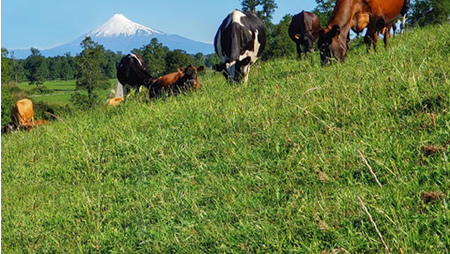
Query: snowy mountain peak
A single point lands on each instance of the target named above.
(119, 25)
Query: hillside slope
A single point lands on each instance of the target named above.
(275, 165)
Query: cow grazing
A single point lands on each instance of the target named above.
(132, 72)
(182, 79)
(22, 113)
(115, 101)
(356, 15)
(304, 30)
(239, 41)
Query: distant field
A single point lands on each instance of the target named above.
(56, 85)
(60, 91)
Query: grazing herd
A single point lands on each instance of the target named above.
(240, 41)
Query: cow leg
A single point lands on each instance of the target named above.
(402, 25)
(246, 72)
(375, 41)
(125, 92)
(394, 28)
(299, 51)
(370, 38)
(387, 34)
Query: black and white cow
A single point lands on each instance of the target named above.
(132, 72)
(239, 42)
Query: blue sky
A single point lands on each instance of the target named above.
(49, 23)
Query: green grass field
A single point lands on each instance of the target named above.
(279, 164)
(60, 91)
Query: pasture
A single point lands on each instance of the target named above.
(57, 92)
(284, 163)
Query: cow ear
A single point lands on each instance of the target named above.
(180, 70)
(335, 31)
(219, 67)
(201, 68)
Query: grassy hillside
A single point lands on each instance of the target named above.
(276, 165)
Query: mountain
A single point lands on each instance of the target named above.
(121, 34)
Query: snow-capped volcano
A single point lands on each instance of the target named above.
(119, 25)
(121, 34)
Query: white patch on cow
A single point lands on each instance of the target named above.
(237, 16)
(231, 68)
(252, 54)
(246, 72)
(133, 55)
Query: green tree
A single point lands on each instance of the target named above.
(212, 59)
(264, 9)
(177, 58)
(277, 44)
(109, 67)
(430, 12)
(36, 68)
(54, 67)
(154, 55)
(199, 59)
(323, 10)
(7, 69)
(68, 67)
(91, 76)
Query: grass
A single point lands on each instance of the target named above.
(268, 166)
(59, 92)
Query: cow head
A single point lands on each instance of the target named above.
(9, 127)
(332, 44)
(234, 71)
(306, 39)
(189, 76)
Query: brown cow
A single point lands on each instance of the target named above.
(177, 81)
(22, 112)
(304, 29)
(356, 15)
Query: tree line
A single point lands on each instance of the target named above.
(36, 68)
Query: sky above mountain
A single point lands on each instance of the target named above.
(48, 23)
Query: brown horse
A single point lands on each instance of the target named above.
(356, 15)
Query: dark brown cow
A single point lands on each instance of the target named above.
(132, 72)
(304, 30)
(177, 81)
(356, 15)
